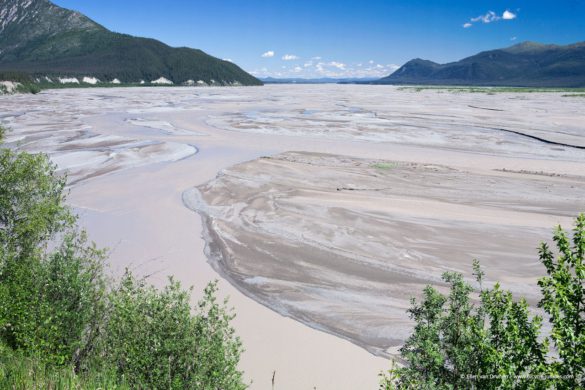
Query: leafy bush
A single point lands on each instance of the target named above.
(563, 300)
(47, 300)
(154, 340)
(32, 207)
(63, 326)
(497, 343)
(50, 305)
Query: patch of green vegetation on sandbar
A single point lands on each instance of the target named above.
(384, 165)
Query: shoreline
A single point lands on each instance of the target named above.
(215, 254)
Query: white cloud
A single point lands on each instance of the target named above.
(338, 65)
(370, 61)
(513, 38)
(328, 68)
(336, 69)
(490, 17)
(316, 58)
(228, 59)
(289, 57)
(268, 54)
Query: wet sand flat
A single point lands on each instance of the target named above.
(342, 244)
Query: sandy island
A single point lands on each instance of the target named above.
(385, 190)
(342, 244)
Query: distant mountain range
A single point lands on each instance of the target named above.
(322, 80)
(528, 64)
(42, 39)
(51, 43)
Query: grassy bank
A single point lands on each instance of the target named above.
(21, 372)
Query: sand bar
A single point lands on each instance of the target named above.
(342, 244)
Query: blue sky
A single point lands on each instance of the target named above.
(371, 38)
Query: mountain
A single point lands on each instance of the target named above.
(322, 80)
(528, 64)
(43, 39)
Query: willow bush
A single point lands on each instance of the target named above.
(65, 325)
(498, 343)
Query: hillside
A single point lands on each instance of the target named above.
(42, 39)
(527, 64)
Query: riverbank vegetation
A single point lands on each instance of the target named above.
(492, 340)
(65, 324)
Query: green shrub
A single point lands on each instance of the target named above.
(563, 291)
(49, 306)
(155, 341)
(68, 305)
(497, 343)
(47, 299)
(63, 327)
(32, 206)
